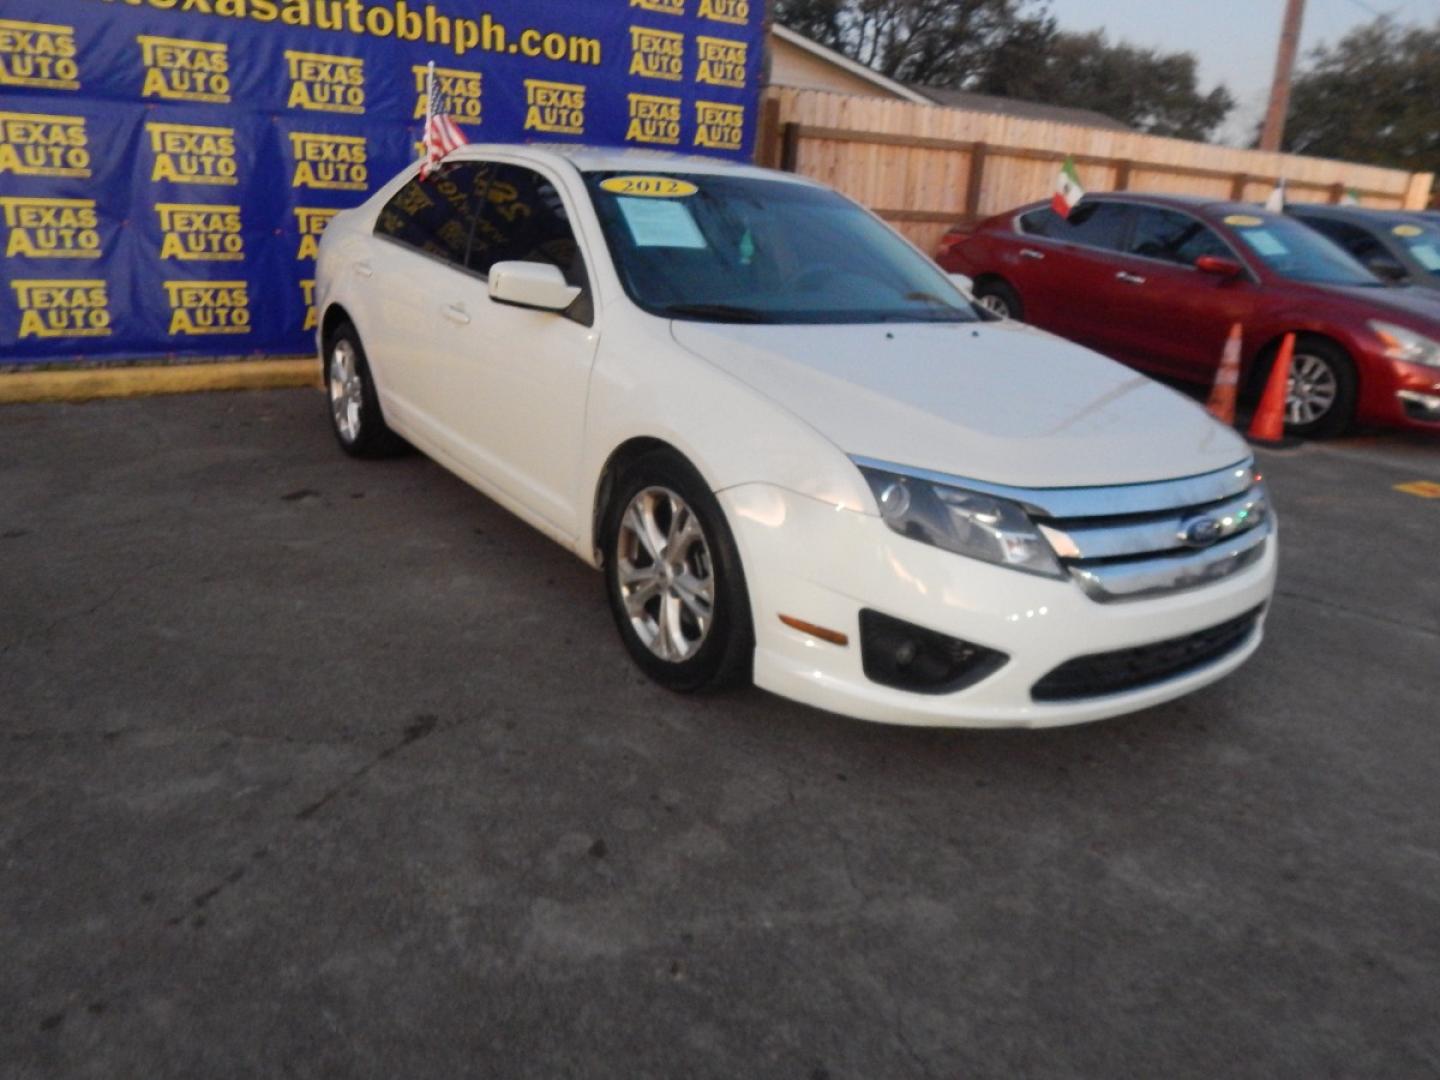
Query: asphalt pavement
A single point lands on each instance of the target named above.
(318, 768)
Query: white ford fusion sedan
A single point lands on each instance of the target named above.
(796, 450)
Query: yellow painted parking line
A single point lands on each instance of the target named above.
(31, 386)
(1425, 489)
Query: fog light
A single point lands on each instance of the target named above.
(901, 655)
(1420, 406)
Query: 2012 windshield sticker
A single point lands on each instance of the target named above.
(649, 187)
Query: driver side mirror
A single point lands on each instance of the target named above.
(1215, 264)
(532, 285)
(1385, 266)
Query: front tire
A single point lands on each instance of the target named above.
(1323, 387)
(355, 414)
(673, 578)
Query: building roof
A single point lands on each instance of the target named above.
(883, 84)
(1029, 110)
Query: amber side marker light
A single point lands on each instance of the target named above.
(834, 637)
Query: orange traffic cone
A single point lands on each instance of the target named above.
(1227, 380)
(1269, 423)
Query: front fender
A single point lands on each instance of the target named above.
(646, 386)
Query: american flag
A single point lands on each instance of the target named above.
(442, 135)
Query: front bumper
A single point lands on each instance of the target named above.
(1405, 396)
(824, 565)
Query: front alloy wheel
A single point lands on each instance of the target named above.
(673, 576)
(1321, 395)
(1312, 392)
(666, 578)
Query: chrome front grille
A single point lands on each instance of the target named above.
(1128, 541)
(1147, 540)
(1133, 541)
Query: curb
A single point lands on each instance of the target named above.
(120, 382)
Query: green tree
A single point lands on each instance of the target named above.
(1013, 48)
(933, 42)
(1154, 92)
(1372, 97)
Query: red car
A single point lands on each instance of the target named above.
(1157, 281)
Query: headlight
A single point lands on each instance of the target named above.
(966, 522)
(1402, 344)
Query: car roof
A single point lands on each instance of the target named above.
(624, 159)
(1193, 203)
(1181, 202)
(1356, 215)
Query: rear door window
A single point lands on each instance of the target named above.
(1098, 225)
(1042, 222)
(434, 215)
(1174, 237)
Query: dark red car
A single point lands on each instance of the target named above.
(1157, 281)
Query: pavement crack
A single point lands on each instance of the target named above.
(141, 574)
(67, 736)
(905, 1044)
(421, 726)
(416, 730)
(1331, 605)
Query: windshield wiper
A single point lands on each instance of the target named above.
(952, 315)
(731, 313)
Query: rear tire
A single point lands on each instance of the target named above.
(1000, 299)
(673, 578)
(354, 408)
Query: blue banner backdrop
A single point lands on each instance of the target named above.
(167, 166)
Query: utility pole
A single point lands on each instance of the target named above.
(1274, 131)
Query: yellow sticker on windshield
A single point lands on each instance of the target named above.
(1408, 230)
(1244, 221)
(649, 187)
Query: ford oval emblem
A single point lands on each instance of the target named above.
(1202, 532)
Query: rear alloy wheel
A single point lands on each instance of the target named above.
(355, 415)
(673, 577)
(1000, 299)
(1321, 396)
(347, 391)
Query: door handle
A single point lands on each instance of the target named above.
(1031, 253)
(456, 314)
(363, 269)
(1130, 279)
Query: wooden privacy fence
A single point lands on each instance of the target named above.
(925, 168)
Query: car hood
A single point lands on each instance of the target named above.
(999, 402)
(1417, 304)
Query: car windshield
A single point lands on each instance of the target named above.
(717, 248)
(1422, 239)
(1297, 252)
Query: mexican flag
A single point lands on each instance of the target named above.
(1276, 202)
(1068, 191)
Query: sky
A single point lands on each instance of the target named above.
(1235, 40)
